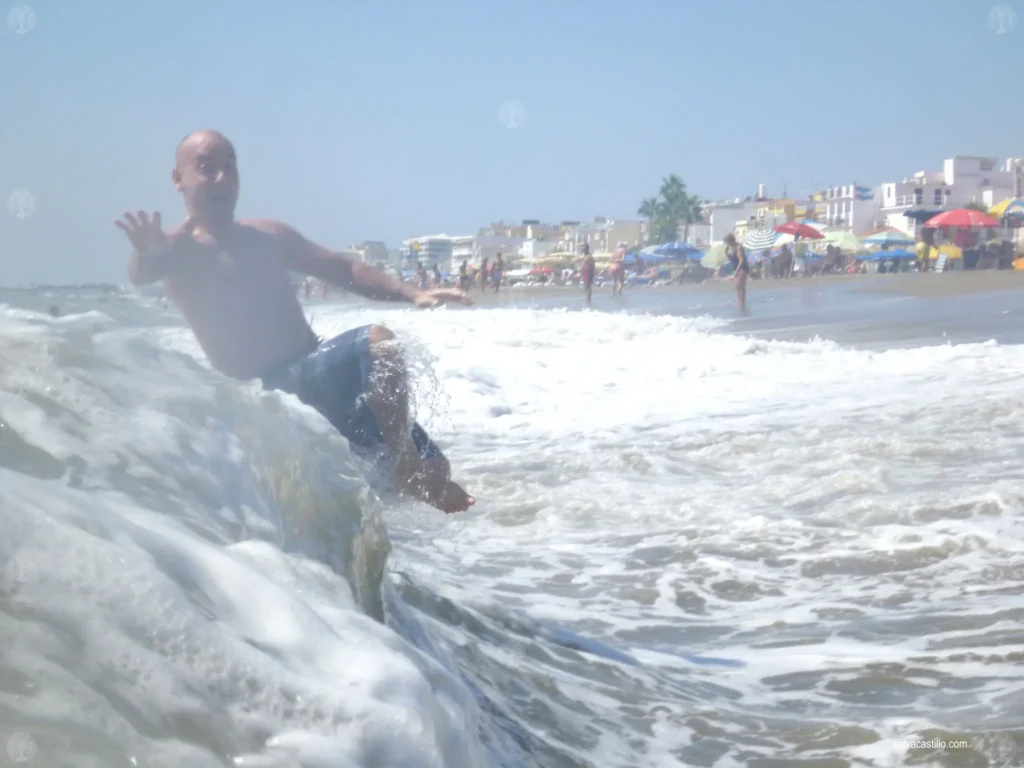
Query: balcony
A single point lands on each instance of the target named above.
(905, 201)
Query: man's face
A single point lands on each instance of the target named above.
(207, 176)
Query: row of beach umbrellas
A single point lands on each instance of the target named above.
(809, 230)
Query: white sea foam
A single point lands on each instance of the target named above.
(689, 548)
(189, 570)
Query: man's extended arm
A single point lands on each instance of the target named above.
(342, 269)
(146, 269)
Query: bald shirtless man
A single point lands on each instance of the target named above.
(231, 280)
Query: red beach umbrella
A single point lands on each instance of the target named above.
(961, 217)
(797, 229)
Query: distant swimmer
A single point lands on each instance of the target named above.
(587, 273)
(619, 268)
(231, 280)
(737, 256)
(54, 310)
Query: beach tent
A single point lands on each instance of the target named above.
(899, 253)
(887, 238)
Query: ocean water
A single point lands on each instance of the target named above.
(693, 545)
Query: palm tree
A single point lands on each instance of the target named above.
(672, 206)
(677, 206)
(649, 210)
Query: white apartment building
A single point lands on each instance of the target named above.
(603, 235)
(372, 252)
(962, 180)
(463, 249)
(531, 250)
(448, 252)
(851, 206)
(428, 250)
(489, 246)
(699, 234)
(723, 216)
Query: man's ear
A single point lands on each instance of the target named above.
(176, 178)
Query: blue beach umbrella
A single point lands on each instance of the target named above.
(899, 253)
(676, 251)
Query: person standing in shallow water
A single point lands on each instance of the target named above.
(737, 256)
(497, 270)
(587, 273)
(618, 269)
(231, 280)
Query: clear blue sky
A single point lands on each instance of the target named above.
(380, 120)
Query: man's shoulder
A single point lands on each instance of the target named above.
(271, 227)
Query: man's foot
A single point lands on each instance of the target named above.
(430, 482)
(453, 499)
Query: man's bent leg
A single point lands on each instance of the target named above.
(426, 475)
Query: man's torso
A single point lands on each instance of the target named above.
(239, 301)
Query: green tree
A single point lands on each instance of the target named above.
(674, 206)
(976, 207)
(649, 210)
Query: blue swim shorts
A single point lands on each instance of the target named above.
(334, 379)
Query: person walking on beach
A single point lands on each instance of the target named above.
(230, 279)
(464, 276)
(737, 256)
(497, 270)
(587, 273)
(924, 249)
(484, 273)
(619, 268)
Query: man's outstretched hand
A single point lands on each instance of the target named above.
(146, 235)
(439, 296)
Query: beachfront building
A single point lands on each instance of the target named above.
(529, 229)
(602, 234)
(723, 216)
(768, 214)
(852, 207)
(374, 252)
(698, 235)
(963, 179)
(428, 250)
(489, 246)
(534, 250)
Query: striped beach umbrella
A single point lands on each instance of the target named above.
(760, 239)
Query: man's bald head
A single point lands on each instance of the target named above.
(196, 139)
(206, 174)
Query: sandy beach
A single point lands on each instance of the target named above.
(929, 285)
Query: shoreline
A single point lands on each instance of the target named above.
(911, 284)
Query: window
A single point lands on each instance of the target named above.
(938, 197)
(918, 196)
